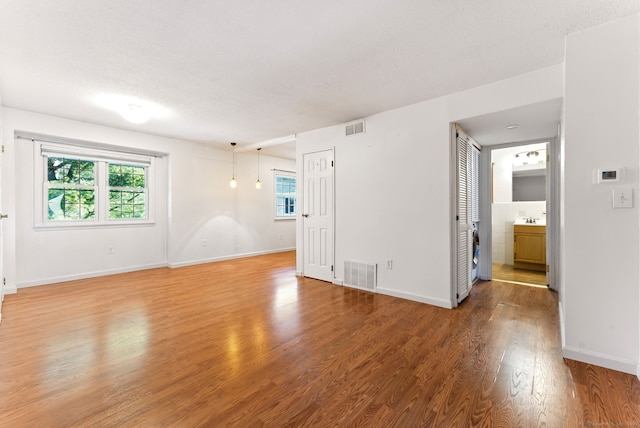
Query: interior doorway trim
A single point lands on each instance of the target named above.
(552, 216)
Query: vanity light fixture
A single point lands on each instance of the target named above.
(258, 183)
(233, 183)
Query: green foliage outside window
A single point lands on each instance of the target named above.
(71, 195)
(73, 188)
(127, 196)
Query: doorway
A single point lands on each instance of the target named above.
(520, 193)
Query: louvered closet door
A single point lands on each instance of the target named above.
(464, 217)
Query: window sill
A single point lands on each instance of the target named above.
(285, 218)
(93, 225)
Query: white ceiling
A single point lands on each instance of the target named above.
(253, 70)
(533, 121)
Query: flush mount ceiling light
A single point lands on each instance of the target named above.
(135, 113)
(233, 183)
(514, 126)
(258, 183)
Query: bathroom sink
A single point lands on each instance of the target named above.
(523, 222)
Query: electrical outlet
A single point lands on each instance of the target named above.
(389, 264)
(204, 242)
(111, 250)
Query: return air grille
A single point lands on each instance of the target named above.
(354, 128)
(360, 275)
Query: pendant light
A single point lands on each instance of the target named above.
(233, 183)
(258, 183)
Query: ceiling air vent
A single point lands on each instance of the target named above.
(354, 128)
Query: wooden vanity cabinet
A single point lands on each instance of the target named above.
(529, 247)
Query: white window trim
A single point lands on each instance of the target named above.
(284, 173)
(44, 149)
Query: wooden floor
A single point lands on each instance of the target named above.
(247, 343)
(507, 273)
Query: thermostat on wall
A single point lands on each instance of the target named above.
(609, 175)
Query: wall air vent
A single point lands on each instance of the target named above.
(354, 128)
(360, 275)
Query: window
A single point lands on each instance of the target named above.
(285, 194)
(71, 189)
(127, 191)
(86, 186)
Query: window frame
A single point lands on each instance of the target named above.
(101, 159)
(290, 174)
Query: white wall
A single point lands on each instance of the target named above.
(601, 255)
(193, 204)
(392, 184)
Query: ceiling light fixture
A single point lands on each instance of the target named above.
(258, 183)
(233, 183)
(135, 113)
(514, 126)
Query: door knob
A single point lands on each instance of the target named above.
(305, 215)
(3, 216)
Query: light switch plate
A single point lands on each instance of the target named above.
(623, 198)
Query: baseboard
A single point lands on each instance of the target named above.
(85, 275)
(602, 360)
(231, 257)
(416, 298)
(10, 290)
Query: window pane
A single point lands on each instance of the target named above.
(70, 171)
(127, 205)
(70, 204)
(285, 196)
(126, 176)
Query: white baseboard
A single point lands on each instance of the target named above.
(231, 257)
(338, 281)
(10, 290)
(602, 360)
(84, 275)
(416, 298)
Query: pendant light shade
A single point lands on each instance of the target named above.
(258, 183)
(233, 183)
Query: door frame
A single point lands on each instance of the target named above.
(552, 216)
(301, 205)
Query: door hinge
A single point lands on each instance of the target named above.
(457, 135)
(331, 268)
(331, 163)
(4, 281)
(457, 218)
(548, 268)
(3, 148)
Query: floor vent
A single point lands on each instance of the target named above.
(354, 128)
(360, 275)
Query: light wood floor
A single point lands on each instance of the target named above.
(507, 273)
(247, 343)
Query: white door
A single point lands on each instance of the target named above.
(317, 215)
(463, 216)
